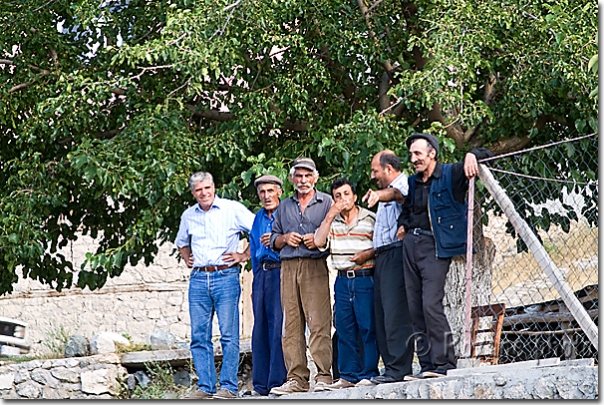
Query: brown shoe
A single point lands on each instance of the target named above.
(340, 384)
(197, 394)
(224, 394)
(290, 387)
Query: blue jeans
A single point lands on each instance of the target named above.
(218, 292)
(355, 316)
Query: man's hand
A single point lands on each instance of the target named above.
(266, 239)
(400, 233)
(309, 240)
(371, 197)
(292, 239)
(336, 208)
(189, 260)
(233, 258)
(470, 165)
(362, 256)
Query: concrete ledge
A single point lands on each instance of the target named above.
(552, 382)
(176, 357)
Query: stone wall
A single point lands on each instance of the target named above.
(140, 301)
(93, 377)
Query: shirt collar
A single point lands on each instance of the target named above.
(363, 213)
(316, 197)
(438, 171)
(398, 181)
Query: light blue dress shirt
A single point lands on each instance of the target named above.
(214, 232)
(387, 215)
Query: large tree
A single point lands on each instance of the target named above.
(108, 106)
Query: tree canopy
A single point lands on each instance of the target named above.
(108, 106)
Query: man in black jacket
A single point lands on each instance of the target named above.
(433, 223)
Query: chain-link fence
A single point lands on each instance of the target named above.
(542, 251)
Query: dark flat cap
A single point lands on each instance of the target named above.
(268, 178)
(305, 163)
(428, 137)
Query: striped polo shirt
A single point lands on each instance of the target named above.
(345, 240)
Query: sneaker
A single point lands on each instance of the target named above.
(320, 386)
(289, 387)
(364, 383)
(338, 385)
(198, 394)
(434, 373)
(224, 394)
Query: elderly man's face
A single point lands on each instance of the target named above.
(203, 191)
(304, 180)
(421, 156)
(269, 194)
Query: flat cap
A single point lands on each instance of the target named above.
(305, 163)
(428, 137)
(268, 178)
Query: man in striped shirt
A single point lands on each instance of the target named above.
(347, 231)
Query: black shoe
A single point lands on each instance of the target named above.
(384, 379)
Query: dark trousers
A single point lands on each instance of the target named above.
(354, 316)
(425, 277)
(268, 367)
(393, 325)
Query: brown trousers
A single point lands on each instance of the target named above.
(305, 299)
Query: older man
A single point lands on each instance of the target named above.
(433, 226)
(348, 232)
(304, 280)
(207, 240)
(392, 320)
(268, 367)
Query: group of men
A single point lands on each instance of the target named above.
(391, 268)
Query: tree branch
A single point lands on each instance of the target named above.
(383, 86)
(19, 87)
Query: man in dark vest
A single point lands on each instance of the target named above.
(433, 226)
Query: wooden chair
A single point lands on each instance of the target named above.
(497, 311)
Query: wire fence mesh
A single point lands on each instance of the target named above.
(554, 190)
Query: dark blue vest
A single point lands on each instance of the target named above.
(448, 217)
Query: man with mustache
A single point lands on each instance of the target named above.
(305, 295)
(433, 227)
(392, 320)
(268, 367)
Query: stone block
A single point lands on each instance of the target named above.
(44, 377)
(55, 393)
(20, 376)
(6, 380)
(28, 389)
(104, 342)
(100, 381)
(65, 374)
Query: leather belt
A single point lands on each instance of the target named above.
(419, 231)
(355, 273)
(384, 248)
(270, 265)
(209, 269)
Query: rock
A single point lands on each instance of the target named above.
(104, 342)
(44, 377)
(52, 393)
(28, 389)
(6, 380)
(99, 381)
(181, 345)
(77, 346)
(182, 378)
(142, 378)
(65, 374)
(21, 376)
(131, 382)
(161, 340)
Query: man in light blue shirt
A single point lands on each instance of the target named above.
(393, 326)
(207, 239)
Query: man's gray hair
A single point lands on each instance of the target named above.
(199, 176)
(293, 170)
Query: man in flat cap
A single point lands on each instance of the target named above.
(433, 226)
(268, 367)
(305, 292)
